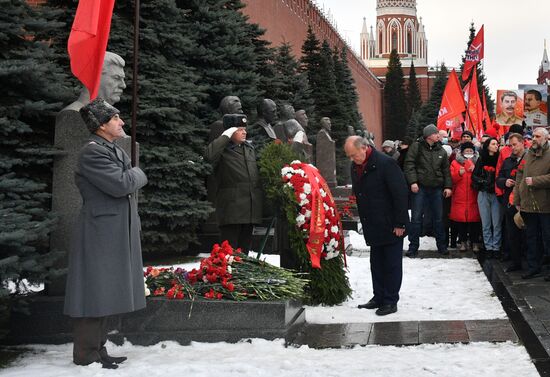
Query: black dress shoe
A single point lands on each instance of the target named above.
(106, 358)
(514, 267)
(369, 305)
(530, 275)
(104, 364)
(386, 309)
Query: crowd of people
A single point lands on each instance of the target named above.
(490, 195)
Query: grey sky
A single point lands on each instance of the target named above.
(514, 33)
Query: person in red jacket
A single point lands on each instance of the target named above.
(464, 210)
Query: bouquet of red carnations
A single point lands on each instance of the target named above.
(226, 274)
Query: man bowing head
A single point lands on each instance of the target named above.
(381, 191)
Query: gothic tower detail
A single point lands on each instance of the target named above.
(397, 27)
(544, 69)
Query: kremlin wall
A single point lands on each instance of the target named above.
(288, 20)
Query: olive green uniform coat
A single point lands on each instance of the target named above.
(238, 198)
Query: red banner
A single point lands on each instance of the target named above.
(475, 110)
(474, 54)
(317, 226)
(452, 104)
(88, 41)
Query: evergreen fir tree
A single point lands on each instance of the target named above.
(289, 84)
(395, 104)
(171, 136)
(345, 86)
(414, 100)
(310, 64)
(228, 54)
(481, 87)
(33, 91)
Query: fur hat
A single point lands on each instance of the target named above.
(467, 133)
(467, 145)
(516, 129)
(388, 143)
(96, 113)
(430, 129)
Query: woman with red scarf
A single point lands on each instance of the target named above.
(464, 210)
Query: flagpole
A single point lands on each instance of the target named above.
(135, 82)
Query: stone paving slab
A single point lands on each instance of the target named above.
(404, 333)
(527, 304)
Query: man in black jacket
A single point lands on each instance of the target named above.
(506, 180)
(429, 177)
(381, 192)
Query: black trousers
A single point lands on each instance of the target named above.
(468, 231)
(513, 234)
(386, 265)
(90, 336)
(238, 235)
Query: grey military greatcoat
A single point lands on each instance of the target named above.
(105, 274)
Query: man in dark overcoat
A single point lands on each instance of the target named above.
(105, 275)
(381, 191)
(238, 199)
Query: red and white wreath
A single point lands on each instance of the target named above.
(318, 213)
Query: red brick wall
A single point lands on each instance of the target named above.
(287, 21)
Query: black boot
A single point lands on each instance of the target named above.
(106, 358)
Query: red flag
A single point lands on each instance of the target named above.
(474, 54)
(475, 110)
(88, 41)
(452, 103)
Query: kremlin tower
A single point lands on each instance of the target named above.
(397, 27)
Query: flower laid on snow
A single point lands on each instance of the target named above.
(311, 190)
(226, 273)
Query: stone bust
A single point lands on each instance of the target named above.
(228, 105)
(112, 83)
(286, 113)
(302, 118)
(267, 114)
(326, 127)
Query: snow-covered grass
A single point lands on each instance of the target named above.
(270, 358)
(432, 289)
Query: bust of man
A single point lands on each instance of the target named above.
(326, 126)
(231, 105)
(70, 134)
(286, 113)
(295, 137)
(112, 83)
(228, 105)
(261, 131)
(302, 118)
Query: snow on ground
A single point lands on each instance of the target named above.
(432, 290)
(270, 358)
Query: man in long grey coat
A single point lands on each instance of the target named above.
(105, 274)
(239, 194)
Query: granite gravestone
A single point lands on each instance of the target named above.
(70, 134)
(326, 153)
